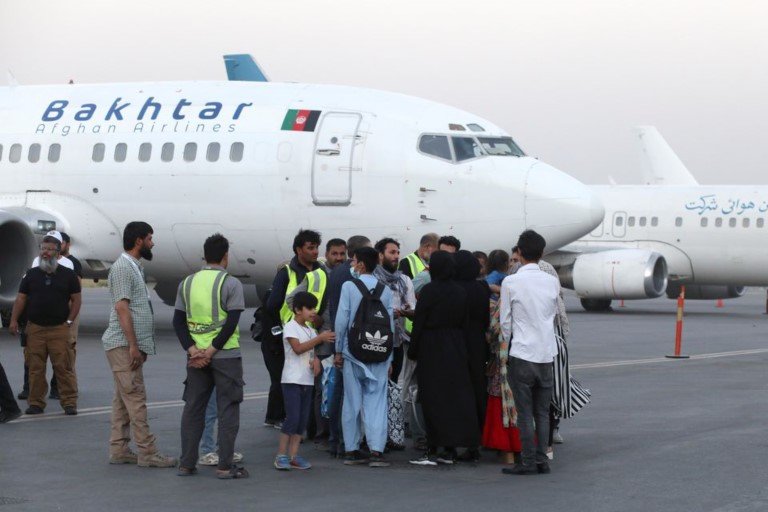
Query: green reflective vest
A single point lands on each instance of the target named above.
(317, 282)
(417, 266)
(201, 293)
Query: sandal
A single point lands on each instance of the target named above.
(232, 473)
(182, 471)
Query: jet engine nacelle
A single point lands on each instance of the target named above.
(17, 250)
(706, 291)
(617, 274)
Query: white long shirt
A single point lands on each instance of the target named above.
(528, 303)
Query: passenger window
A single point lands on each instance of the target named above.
(630, 221)
(732, 222)
(619, 221)
(121, 151)
(212, 155)
(54, 153)
(760, 222)
(642, 221)
(654, 221)
(719, 222)
(34, 153)
(190, 152)
(435, 145)
(704, 222)
(15, 153)
(745, 222)
(236, 152)
(166, 153)
(679, 222)
(466, 148)
(98, 152)
(145, 152)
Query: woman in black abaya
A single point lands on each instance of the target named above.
(478, 320)
(437, 344)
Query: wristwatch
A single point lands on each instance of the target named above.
(69, 322)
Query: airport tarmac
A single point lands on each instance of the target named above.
(660, 434)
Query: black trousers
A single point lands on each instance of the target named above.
(397, 362)
(7, 400)
(226, 375)
(532, 385)
(274, 359)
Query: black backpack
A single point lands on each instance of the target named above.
(370, 337)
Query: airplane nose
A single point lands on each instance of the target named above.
(558, 206)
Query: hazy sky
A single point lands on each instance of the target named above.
(567, 79)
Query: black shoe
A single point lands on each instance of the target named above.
(519, 469)
(70, 410)
(54, 394)
(23, 395)
(7, 416)
(543, 468)
(376, 460)
(355, 459)
(470, 455)
(34, 409)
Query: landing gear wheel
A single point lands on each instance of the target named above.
(596, 304)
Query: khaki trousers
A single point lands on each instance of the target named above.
(54, 342)
(74, 330)
(129, 407)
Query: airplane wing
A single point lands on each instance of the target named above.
(243, 67)
(662, 165)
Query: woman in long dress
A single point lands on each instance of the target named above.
(437, 344)
(478, 319)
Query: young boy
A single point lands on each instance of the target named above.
(297, 380)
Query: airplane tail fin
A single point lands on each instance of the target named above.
(243, 67)
(663, 167)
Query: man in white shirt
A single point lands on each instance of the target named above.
(528, 304)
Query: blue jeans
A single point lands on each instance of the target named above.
(208, 441)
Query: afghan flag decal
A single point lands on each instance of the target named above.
(301, 120)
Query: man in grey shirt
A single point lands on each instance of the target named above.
(208, 308)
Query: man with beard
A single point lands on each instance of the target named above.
(335, 253)
(128, 340)
(50, 296)
(403, 297)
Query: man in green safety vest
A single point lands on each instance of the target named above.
(306, 246)
(208, 308)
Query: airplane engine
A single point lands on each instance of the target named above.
(601, 277)
(17, 250)
(706, 292)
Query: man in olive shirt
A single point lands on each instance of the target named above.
(128, 340)
(50, 295)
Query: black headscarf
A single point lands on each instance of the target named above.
(441, 266)
(467, 266)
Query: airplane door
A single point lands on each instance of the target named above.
(619, 226)
(335, 146)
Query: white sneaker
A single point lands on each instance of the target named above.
(423, 461)
(209, 459)
(556, 437)
(551, 453)
(212, 459)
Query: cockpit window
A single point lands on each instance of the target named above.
(435, 145)
(475, 127)
(501, 146)
(466, 148)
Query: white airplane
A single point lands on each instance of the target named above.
(671, 232)
(256, 161)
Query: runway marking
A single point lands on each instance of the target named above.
(94, 411)
(633, 362)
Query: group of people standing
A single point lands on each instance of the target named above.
(469, 348)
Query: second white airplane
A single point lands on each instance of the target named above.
(668, 233)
